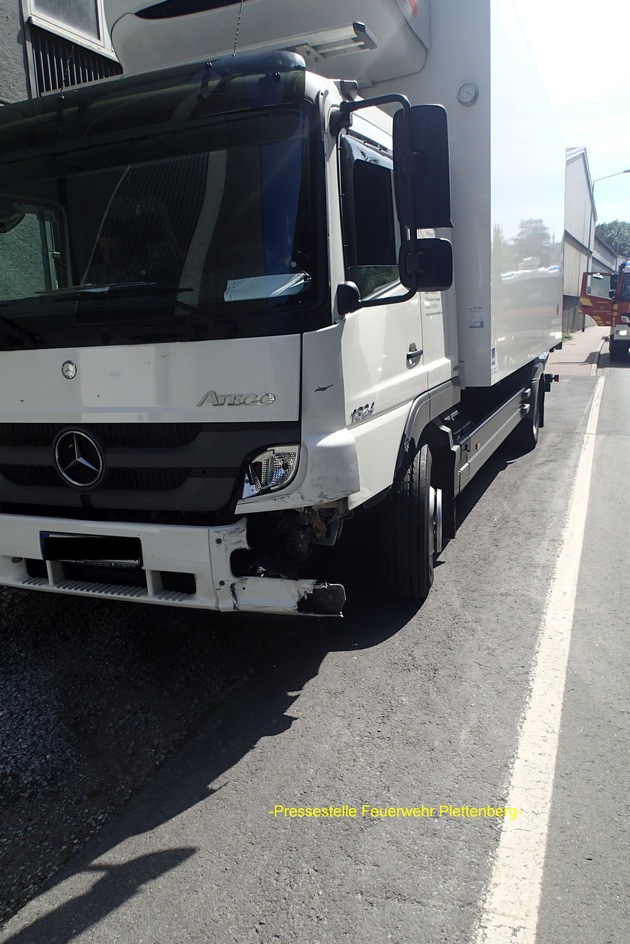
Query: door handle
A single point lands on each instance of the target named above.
(413, 355)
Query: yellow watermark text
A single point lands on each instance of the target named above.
(372, 811)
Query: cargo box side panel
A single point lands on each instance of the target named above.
(507, 180)
(527, 206)
(460, 55)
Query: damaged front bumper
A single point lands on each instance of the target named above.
(175, 566)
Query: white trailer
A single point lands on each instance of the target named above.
(229, 320)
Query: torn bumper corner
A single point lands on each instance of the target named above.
(288, 597)
(326, 599)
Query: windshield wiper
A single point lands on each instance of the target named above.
(131, 289)
(115, 290)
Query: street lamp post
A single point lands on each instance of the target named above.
(593, 212)
(593, 218)
(618, 174)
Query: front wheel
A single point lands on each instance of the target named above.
(408, 521)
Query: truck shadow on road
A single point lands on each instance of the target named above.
(116, 884)
(131, 689)
(508, 452)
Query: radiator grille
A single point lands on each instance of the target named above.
(153, 469)
(149, 480)
(115, 436)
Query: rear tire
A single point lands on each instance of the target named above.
(614, 350)
(407, 532)
(527, 431)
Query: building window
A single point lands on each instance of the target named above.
(68, 43)
(80, 21)
(70, 15)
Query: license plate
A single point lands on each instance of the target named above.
(92, 549)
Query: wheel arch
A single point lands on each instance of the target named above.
(421, 429)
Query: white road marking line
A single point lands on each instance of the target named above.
(510, 913)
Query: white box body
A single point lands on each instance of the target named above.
(507, 168)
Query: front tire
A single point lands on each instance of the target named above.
(407, 532)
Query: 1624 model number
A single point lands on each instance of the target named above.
(361, 413)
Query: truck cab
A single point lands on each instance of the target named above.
(606, 298)
(211, 330)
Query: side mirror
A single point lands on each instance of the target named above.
(421, 167)
(348, 298)
(426, 265)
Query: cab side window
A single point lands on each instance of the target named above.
(32, 254)
(599, 285)
(371, 232)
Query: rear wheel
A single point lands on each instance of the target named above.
(614, 350)
(526, 433)
(409, 518)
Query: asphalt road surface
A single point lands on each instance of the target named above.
(419, 711)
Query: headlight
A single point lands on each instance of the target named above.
(623, 333)
(270, 470)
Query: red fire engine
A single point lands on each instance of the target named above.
(606, 298)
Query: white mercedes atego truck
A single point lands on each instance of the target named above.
(300, 264)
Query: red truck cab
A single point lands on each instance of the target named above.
(606, 298)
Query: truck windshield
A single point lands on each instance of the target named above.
(204, 230)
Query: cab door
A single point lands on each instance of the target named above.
(621, 304)
(382, 349)
(597, 298)
(384, 365)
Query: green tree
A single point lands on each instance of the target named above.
(616, 235)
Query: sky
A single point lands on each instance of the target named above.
(583, 56)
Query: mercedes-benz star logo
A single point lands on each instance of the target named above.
(69, 370)
(78, 458)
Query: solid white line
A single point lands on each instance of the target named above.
(510, 913)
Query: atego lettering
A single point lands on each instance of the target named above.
(237, 399)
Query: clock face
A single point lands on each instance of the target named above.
(468, 93)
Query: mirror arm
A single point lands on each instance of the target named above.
(341, 117)
(349, 298)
